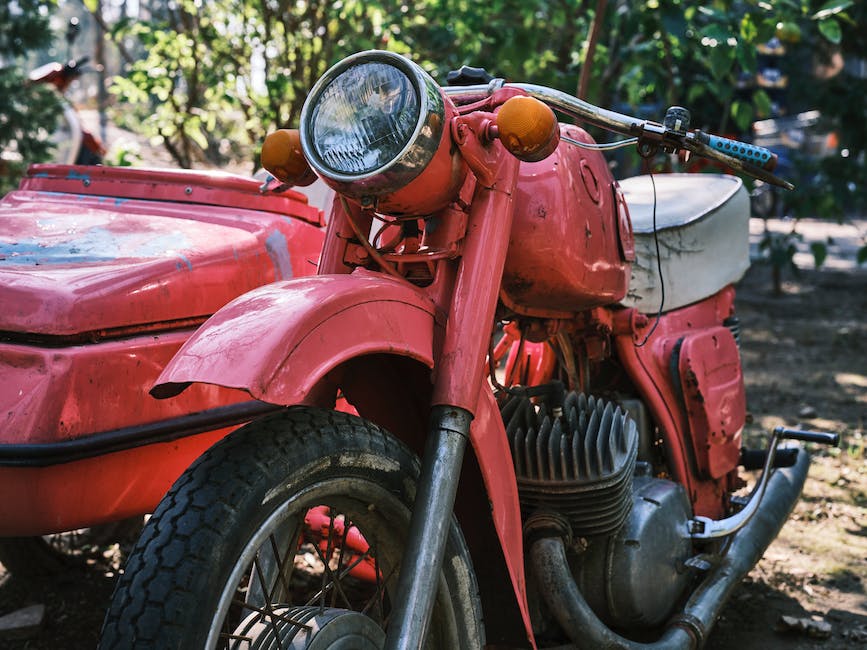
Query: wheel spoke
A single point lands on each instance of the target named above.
(346, 526)
(379, 594)
(328, 575)
(283, 564)
(269, 611)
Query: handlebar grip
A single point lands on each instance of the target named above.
(758, 156)
(819, 437)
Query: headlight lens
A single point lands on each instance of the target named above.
(364, 118)
(372, 124)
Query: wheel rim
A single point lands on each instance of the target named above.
(317, 572)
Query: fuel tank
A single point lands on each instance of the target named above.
(571, 243)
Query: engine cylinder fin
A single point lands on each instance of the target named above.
(575, 458)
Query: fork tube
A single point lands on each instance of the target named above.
(459, 375)
(429, 530)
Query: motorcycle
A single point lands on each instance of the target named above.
(75, 144)
(795, 139)
(104, 273)
(484, 282)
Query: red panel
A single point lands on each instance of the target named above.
(50, 395)
(713, 390)
(569, 239)
(649, 367)
(72, 264)
(210, 188)
(488, 436)
(42, 500)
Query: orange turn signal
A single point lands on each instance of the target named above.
(528, 128)
(283, 158)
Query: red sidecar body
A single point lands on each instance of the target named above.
(104, 273)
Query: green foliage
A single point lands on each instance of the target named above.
(779, 251)
(820, 252)
(219, 75)
(27, 113)
(220, 78)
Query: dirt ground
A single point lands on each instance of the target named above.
(805, 358)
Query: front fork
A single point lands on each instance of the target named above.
(459, 377)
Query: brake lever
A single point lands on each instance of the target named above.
(674, 135)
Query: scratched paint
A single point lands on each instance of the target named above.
(96, 244)
(278, 251)
(78, 176)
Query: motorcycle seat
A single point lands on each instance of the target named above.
(702, 226)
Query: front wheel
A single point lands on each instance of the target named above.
(288, 533)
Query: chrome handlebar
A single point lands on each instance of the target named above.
(651, 135)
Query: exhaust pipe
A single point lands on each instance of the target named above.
(689, 628)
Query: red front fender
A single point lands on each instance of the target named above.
(278, 341)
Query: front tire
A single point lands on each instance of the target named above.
(235, 521)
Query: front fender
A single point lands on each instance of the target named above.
(278, 341)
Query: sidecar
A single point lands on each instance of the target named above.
(104, 273)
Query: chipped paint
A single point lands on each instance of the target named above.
(93, 245)
(186, 261)
(278, 251)
(78, 176)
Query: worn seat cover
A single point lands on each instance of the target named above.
(702, 223)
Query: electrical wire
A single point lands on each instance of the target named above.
(594, 146)
(658, 270)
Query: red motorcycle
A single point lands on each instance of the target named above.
(75, 144)
(104, 273)
(484, 281)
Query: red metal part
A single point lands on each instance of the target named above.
(75, 263)
(650, 369)
(98, 290)
(462, 364)
(279, 341)
(570, 240)
(713, 392)
(109, 487)
(207, 188)
(52, 394)
(332, 532)
(490, 443)
(528, 363)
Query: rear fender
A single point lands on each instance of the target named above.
(279, 341)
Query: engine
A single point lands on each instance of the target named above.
(575, 459)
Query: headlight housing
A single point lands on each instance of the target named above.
(372, 125)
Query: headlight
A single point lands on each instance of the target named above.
(364, 119)
(372, 124)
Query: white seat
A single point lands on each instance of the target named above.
(702, 222)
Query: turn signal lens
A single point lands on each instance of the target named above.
(284, 160)
(528, 129)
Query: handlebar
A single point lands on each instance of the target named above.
(758, 156)
(750, 159)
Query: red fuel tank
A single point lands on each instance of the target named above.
(571, 241)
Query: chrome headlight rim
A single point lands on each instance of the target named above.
(413, 158)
